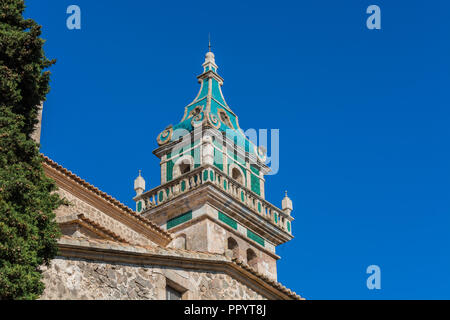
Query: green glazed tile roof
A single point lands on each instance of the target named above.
(209, 106)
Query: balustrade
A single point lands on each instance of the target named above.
(210, 174)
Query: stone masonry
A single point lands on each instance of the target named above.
(83, 279)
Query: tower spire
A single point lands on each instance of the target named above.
(209, 42)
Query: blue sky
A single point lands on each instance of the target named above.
(363, 118)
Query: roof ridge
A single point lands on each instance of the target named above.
(103, 229)
(146, 247)
(107, 197)
(235, 261)
(272, 282)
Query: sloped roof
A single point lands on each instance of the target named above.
(127, 212)
(209, 109)
(179, 254)
(91, 225)
(118, 243)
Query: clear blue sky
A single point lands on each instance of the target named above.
(363, 118)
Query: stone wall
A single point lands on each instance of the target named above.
(218, 243)
(84, 279)
(208, 236)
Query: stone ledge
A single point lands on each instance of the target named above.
(122, 253)
(67, 180)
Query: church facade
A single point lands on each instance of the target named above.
(206, 232)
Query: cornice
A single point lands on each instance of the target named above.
(91, 225)
(208, 192)
(226, 227)
(176, 258)
(104, 202)
(210, 74)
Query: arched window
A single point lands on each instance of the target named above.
(237, 175)
(182, 166)
(185, 167)
(252, 259)
(233, 246)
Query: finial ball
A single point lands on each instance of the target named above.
(209, 56)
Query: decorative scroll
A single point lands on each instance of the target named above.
(214, 120)
(165, 136)
(198, 120)
(225, 118)
(195, 111)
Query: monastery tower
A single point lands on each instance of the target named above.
(206, 232)
(212, 194)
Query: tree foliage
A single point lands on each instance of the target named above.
(28, 231)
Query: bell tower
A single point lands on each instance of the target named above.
(212, 195)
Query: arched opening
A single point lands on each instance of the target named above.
(252, 259)
(233, 246)
(185, 168)
(237, 175)
(182, 166)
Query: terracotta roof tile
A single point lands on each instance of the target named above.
(183, 253)
(121, 243)
(108, 232)
(107, 197)
(273, 283)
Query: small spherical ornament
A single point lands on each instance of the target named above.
(209, 56)
(261, 153)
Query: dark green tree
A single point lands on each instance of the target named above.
(28, 231)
